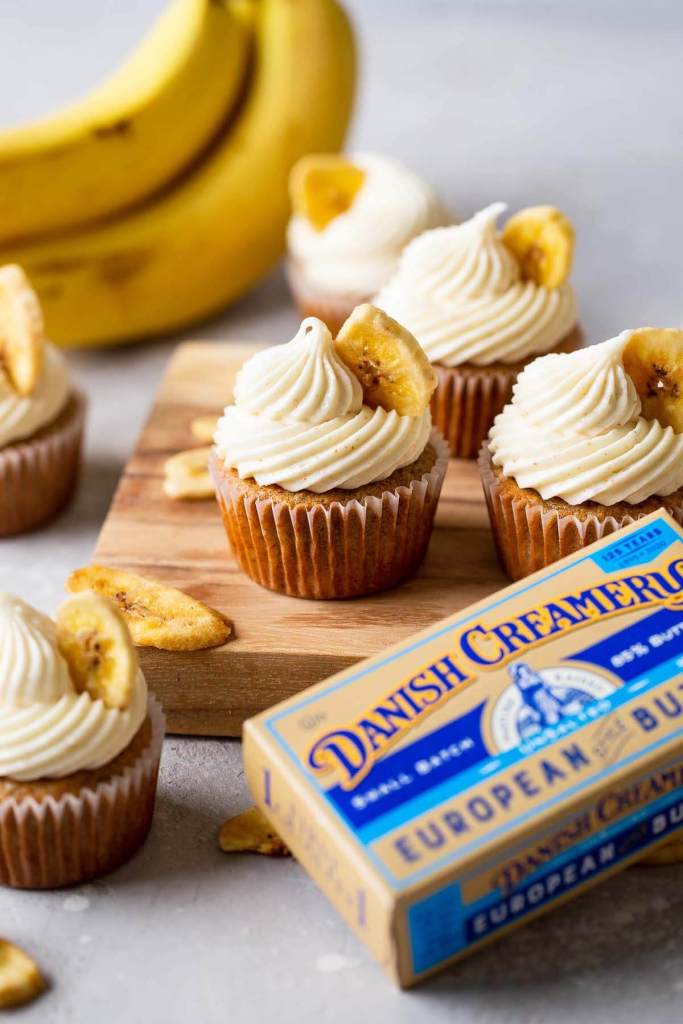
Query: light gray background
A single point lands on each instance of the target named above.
(578, 104)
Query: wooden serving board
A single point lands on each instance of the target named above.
(280, 644)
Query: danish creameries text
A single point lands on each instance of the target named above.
(351, 750)
(495, 764)
(614, 804)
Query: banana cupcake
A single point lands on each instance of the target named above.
(482, 304)
(351, 219)
(80, 743)
(591, 441)
(41, 414)
(327, 470)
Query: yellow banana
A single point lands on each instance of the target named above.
(135, 133)
(192, 250)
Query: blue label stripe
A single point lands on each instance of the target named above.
(534, 812)
(447, 790)
(627, 550)
(440, 926)
(402, 777)
(631, 838)
(641, 546)
(458, 745)
(632, 643)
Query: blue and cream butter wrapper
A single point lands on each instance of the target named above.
(495, 764)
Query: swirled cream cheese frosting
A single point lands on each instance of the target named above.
(357, 252)
(460, 291)
(298, 421)
(47, 729)
(22, 416)
(575, 430)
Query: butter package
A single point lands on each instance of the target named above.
(495, 764)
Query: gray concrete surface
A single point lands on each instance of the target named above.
(577, 104)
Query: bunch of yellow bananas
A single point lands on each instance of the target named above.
(163, 195)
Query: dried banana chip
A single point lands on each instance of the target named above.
(653, 359)
(157, 615)
(187, 475)
(94, 640)
(322, 186)
(542, 239)
(391, 365)
(250, 832)
(20, 978)
(21, 330)
(204, 428)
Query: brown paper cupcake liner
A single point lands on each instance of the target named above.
(52, 843)
(332, 310)
(38, 476)
(468, 398)
(336, 550)
(466, 402)
(531, 534)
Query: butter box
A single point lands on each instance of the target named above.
(495, 764)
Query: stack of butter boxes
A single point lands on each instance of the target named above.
(494, 765)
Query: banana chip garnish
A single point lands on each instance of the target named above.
(322, 186)
(542, 239)
(186, 475)
(204, 428)
(22, 334)
(157, 615)
(391, 365)
(250, 832)
(20, 977)
(94, 640)
(653, 359)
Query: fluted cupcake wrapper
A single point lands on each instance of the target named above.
(341, 550)
(468, 397)
(466, 402)
(332, 310)
(51, 843)
(529, 537)
(38, 476)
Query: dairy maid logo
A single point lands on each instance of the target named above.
(543, 699)
(350, 750)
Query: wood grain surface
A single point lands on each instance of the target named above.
(280, 644)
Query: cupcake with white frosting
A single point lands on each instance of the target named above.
(471, 296)
(351, 219)
(323, 494)
(41, 414)
(78, 772)
(574, 456)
